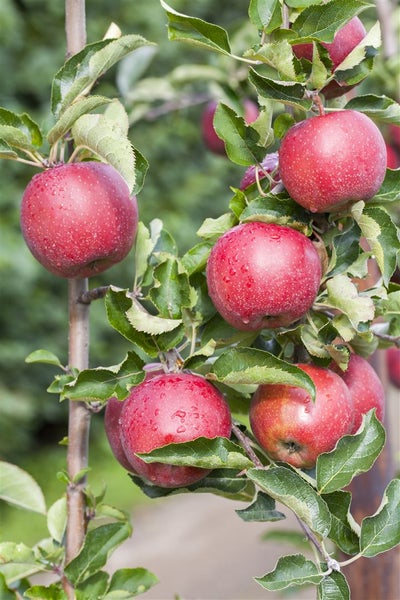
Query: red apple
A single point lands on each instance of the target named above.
(210, 137)
(294, 429)
(331, 161)
(171, 408)
(112, 414)
(393, 365)
(345, 40)
(78, 219)
(394, 134)
(365, 387)
(263, 275)
(269, 165)
(393, 160)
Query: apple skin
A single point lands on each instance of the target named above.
(365, 387)
(270, 164)
(345, 40)
(393, 365)
(78, 219)
(331, 161)
(171, 408)
(294, 429)
(210, 137)
(263, 275)
(112, 415)
(393, 160)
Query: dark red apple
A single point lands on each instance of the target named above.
(330, 161)
(345, 40)
(269, 165)
(112, 414)
(78, 219)
(210, 137)
(171, 408)
(393, 365)
(365, 387)
(294, 429)
(263, 275)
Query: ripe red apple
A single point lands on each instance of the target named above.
(393, 365)
(171, 408)
(78, 219)
(365, 387)
(294, 429)
(345, 40)
(263, 275)
(210, 137)
(269, 165)
(331, 161)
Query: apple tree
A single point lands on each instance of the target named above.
(267, 323)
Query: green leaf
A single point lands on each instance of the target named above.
(195, 259)
(277, 55)
(72, 114)
(279, 209)
(43, 356)
(93, 587)
(390, 188)
(382, 235)
(334, 587)
(206, 453)
(262, 12)
(263, 509)
(241, 140)
(212, 229)
(51, 592)
(126, 583)
(99, 543)
(82, 70)
(321, 22)
(101, 384)
(19, 488)
(6, 151)
(106, 139)
(380, 108)
(5, 592)
(371, 40)
(353, 454)
(171, 291)
(292, 491)
(19, 130)
(344, 529)
(342, 294)
(381, 532)
(144, 322)
(144, 246)
(292, 570)
(196, 31)
(18, 561)
(253, 366)
(288, 93)
(222, 482)
(57, 519)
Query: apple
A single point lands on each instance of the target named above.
(365, 387)
(393, 365)
(112, 415)
(269, 165)
(210, 137)
(171, 408)
(263, 275)
(393, 160)
(294, 429)
(394, 134)
(330, 161)
(78, 219)
(344, 41)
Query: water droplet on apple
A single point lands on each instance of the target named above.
(181, 429)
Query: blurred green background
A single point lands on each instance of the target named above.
(184, 184)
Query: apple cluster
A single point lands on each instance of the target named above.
(181, 407)
(78, 219)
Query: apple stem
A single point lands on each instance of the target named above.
(94, 294)
(245, 442)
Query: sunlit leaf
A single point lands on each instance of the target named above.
(292, 570)
(19, 488)
(381, 532)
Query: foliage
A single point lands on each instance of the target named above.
(166, 315)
